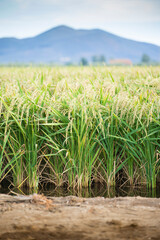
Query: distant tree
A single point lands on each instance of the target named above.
(83, 61)
(145, 59)
(102, 59)
(69, 64)
(95, 59)
(98, 59)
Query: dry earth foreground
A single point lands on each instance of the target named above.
(38, 217)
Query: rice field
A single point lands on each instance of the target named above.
(74, 126)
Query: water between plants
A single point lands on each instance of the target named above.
(97, 190)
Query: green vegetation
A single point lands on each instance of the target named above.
(76, 125)
(98, 60)
(84, 62)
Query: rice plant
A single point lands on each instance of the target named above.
(75, 126)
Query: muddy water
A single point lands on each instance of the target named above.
(96, 191)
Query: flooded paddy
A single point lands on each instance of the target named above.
(75, 127)
(97, 190)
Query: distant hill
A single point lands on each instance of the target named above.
(64, 44)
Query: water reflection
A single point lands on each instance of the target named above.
(96, 191)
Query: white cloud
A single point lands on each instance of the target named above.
(30, 17)
(121, 10)
(93, 10)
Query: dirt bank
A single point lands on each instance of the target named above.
(38, 217)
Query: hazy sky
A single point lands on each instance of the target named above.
(134, 19)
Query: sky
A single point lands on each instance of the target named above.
(133, 19)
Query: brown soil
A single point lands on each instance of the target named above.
(41, 218)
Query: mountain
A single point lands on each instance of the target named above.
(63, 44)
